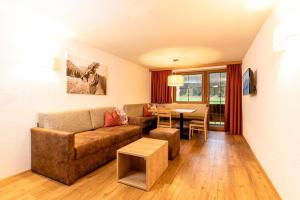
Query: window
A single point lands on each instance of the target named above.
(191, 91)
(217, 87)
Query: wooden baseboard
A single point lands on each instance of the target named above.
(263, 170)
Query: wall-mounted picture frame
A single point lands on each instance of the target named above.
(249, 82)
(85, 76)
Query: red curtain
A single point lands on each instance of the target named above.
(160, 91)
(233, 101)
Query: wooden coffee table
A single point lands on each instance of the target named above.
(142, 162)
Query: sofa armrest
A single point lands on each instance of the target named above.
(53, 154)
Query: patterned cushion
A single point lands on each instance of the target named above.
(123, 116)
(70, 121)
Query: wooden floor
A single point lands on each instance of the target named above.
(222, 168)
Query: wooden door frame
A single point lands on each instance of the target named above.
(212, 128)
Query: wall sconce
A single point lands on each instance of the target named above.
(56, 64)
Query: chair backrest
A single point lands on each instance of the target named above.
(164, 113)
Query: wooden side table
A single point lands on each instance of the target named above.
(142, 162)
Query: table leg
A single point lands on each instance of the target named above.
(181, 125)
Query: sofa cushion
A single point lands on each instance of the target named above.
(112, 119)
(70, 121)
(172, 136)
(121, 132)
(141, 120)
(91, 141)
(134, 110)
(97, 116)
(146, 112)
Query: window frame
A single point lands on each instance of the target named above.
(203, 90)
(205, 85)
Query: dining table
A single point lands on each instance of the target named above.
(181, 112)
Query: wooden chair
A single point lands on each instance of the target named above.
(164, 119)
(199, 125)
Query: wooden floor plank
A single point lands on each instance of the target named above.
(222, 168)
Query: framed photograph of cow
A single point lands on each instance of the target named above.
(85, 76)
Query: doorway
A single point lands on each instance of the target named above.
(216, 99)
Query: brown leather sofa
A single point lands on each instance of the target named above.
(68, 145)
(135, 114)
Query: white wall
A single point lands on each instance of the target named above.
(28, 85)
(271, 119)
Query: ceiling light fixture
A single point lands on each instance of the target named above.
(175, 80)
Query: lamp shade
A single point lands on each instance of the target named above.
(175, 80)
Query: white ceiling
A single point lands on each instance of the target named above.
(153, 32)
